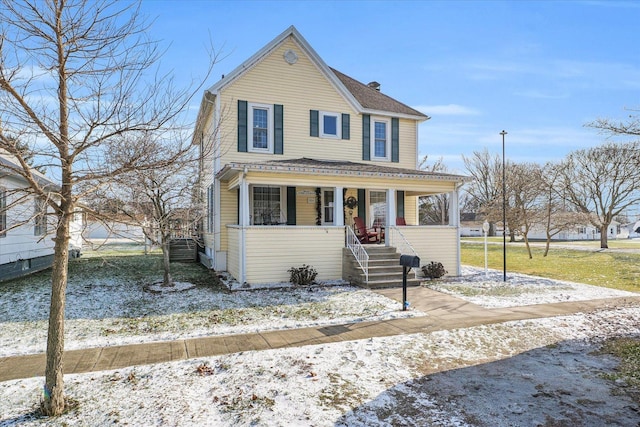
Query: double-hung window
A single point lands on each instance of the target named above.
(210, 205)
(330, 125)
(260, 121)
(40, 218)
(3, 212)
(267, 206)
(381, 139)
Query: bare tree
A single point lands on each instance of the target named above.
(557, 214)
(78, 79)
(164, 202)
(526, 190)
(629, 127)
(485, 190)
(433, 209)
(602, 182)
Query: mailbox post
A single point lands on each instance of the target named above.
(407, 262)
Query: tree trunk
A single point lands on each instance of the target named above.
(166, 263)
(603, 236)
(546, 246)
(526, 243)
(54, 401)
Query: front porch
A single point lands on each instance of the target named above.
(276, 215)
(269, 251)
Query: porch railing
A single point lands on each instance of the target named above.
(358, 251)
(400, 242)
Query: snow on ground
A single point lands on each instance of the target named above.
(490, 291)
(107, 313)
(534, 372)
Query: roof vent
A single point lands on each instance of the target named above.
(374, 85)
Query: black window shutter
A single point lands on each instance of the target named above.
(314, 120)
(395, 140)
(366, 140)
(346, 126)
(291, 205)
(242, 126)
(278, 131)
(238, 206)
(400, 204)
(362, 204)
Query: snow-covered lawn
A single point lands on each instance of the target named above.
(538, 372)
(490, 291)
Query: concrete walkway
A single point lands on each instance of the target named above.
(442, 312)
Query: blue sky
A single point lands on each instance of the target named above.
(538, 69)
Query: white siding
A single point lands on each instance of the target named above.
(19, 241)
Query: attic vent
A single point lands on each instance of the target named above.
(374, 85)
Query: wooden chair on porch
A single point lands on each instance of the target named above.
(365, 235)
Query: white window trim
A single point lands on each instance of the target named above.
(283, 202)
(338, 117)
(269, 108)
(372, 138)
(324, 221)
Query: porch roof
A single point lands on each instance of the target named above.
(309, 166)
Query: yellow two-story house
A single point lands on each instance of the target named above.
(295, 151)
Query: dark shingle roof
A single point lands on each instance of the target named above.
(373, 99)
(340, 167)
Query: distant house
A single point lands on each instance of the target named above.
(577, 232)
(471, 225)
(26, 244)
(299, 150)
(630, 231)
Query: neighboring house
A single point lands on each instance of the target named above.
(293, 140)
(577, 232)
(26, 243)
(471, 225)
(630, 231)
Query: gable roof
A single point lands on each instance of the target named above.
(364, 99)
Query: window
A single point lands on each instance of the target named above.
(330, 125)
(210, 198)
(267, 206)
(40, 218)
(260, 128)
(378, 206)
(3, 212)
(327, 206)
(381, 139)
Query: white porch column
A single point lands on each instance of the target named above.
(244, 222)
(454, 220)
(391, 215)
(454, 209)
(338, 206)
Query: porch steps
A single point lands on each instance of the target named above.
(183, 250)
(385, 270)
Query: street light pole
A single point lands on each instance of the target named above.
(504, 214)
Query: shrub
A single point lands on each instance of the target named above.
(434, 270)
(302, 276)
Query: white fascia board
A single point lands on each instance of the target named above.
(392, 114)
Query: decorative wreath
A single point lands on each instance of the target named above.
(351, 202)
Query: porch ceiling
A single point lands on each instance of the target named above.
(312, 172)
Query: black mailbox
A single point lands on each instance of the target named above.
(410, 261)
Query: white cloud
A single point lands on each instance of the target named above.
(447, 110)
